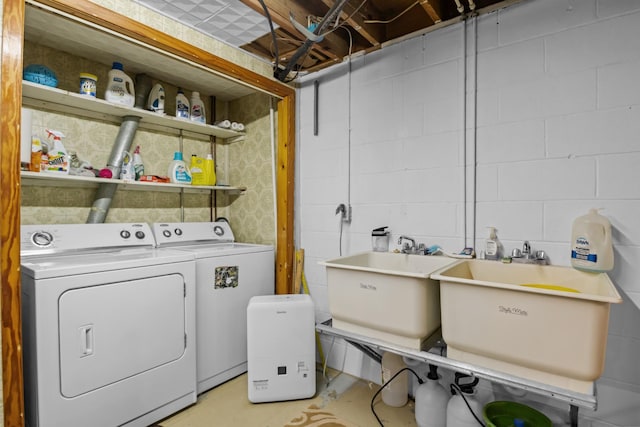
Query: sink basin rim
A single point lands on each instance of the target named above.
(340, 263)
(613, 297)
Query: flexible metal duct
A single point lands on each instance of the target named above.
(128, 128)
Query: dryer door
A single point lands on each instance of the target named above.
(115, 331)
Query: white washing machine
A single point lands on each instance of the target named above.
(228, 274)
(108, 326)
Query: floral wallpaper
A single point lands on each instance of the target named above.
(245, 163)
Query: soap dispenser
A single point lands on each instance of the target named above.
(492, 246)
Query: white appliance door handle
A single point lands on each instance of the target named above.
(86, 340)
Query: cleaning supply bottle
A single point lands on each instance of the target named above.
(431, 401)
(58, 158)
(210, 170)
(182, 106)
(394, 393)
(197, 169)
(120, 88)
(463, 402)
(197, 108)
(178, 171)
(155, 101)
(492, 246)
(138, 165)
(591, 243)
(127, 172)
(36, 154)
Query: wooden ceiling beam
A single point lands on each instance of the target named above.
(431, 11)
(332, 46)
(373, 34)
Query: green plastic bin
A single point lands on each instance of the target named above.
(513, 414)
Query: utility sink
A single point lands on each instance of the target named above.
(385, 295)
(541, 322)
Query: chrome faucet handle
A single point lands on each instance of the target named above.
(526, 247)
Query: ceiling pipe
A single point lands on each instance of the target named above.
(282, 73)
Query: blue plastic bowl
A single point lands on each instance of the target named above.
(40, 74)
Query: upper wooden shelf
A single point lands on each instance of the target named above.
(53, 99)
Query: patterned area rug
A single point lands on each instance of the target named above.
(314, 416)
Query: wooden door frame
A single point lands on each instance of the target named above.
(11, 84)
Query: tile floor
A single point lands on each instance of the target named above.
(343, 402)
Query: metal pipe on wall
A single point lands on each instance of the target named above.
(128, 128)
(106, 191)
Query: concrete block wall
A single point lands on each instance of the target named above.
(553, 117)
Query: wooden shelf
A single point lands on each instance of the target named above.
(44, 179)
(53, 99)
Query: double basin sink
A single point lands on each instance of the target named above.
(541, 322)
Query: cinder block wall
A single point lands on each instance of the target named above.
(553, 116)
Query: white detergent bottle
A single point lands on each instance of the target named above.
(197, 108)
(120, 88)
(182, 106)
(178, 171)
(58, 158)
(591, 243)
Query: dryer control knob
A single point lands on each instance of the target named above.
(42, 238)
(218, 230)
(140, 234)
(166, 233)
(125, 234)
(178, 231)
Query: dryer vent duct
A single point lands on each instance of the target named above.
(128, 128)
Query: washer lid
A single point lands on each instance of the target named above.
(208, 249)
(46, 266)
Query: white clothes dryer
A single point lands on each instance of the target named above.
(108, 326)
(228, 274)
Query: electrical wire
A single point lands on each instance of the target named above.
(375, 21)
(420, 381)
(273, 34)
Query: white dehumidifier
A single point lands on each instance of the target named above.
(281, 352)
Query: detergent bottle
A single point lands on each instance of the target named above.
(591, 243)
(155, 101)
(197, 109)
(197, 169)
(210, 170)
(58, 158)
(120, 88)
(431, 401)
(178, 171)
(182, 106)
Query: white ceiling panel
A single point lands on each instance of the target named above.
(229, 21)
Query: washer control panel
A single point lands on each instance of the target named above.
(192, 232)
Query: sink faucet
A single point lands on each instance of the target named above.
(527, 255)
(407, 248)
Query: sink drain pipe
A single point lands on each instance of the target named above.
(128, 128)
